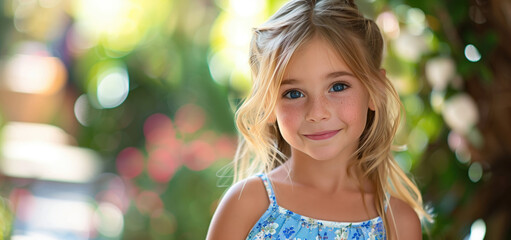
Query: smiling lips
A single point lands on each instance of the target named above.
(322, 135)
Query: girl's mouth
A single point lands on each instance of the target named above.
(322, 135)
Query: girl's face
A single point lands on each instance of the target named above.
(322, 107)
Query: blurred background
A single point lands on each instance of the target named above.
(116, 116)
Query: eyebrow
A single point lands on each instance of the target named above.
(288, 81)
(339, 74)
(330, 75)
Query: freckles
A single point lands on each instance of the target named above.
(352, 111)
(289, 111)
(286, 116)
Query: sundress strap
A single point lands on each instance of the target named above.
(269, 188)
(273, 200)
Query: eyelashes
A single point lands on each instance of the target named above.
(295, 93)
(338, 87)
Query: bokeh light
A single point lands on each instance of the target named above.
(410, 47)
(439, 72)
(198, 155)
(35, 74)
(109, 220)
(460, 113)
(31, 150)
(225, 146)
(475, 172)
(190, 118)
(477, 230)
(415, 19)
(471, 53)
(118, 24)
(108, 85)
(389, 23)
(230, 39)
(159, 132)
(149, 202)
(83, 110)
(113, 88)
(463, 155)
(59, 214)
(130, 162)
(161, 165)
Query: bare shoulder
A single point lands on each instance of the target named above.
(239, 210)
(404, 222)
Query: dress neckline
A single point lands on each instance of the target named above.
(328, 223)
(311, 220)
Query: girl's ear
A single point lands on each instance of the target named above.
(371, 104)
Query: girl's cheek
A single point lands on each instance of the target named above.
(288, 115)
(284, 116)
(290, 110)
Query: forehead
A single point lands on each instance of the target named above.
(316, 57)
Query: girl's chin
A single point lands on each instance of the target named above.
(322, 156)
(326, 155)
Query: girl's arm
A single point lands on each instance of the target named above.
(240, 209)
(404, 222)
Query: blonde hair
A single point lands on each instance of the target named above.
(359, 42)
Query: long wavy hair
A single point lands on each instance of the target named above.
(358, 41)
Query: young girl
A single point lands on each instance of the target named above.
(318, 125)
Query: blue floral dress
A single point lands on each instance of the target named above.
(280, 223)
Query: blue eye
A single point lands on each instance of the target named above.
(338, 87)
(292, 94)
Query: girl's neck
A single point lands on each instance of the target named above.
(330, 176)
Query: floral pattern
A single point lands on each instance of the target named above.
(280, 223)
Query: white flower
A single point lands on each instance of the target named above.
(282, 211)
(312, 222)
(259, 236)
(371, 234)
(271, 228)
(341, 234)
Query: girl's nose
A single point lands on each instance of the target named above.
(318, 109)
